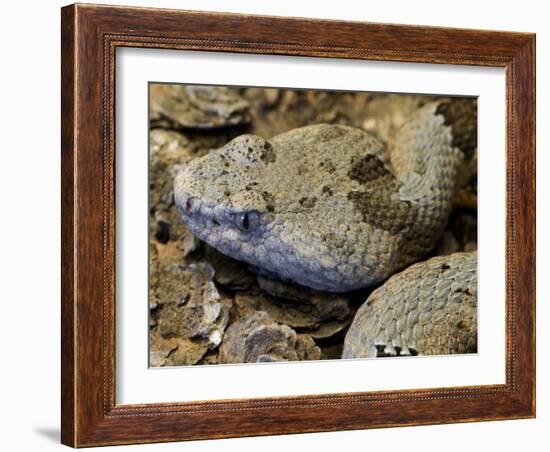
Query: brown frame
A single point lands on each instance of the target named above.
(90, 35)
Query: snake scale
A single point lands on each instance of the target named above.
(430, 308)
(330, 207)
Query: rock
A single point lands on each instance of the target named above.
(385, 114)
(199, 107)
(275, 111)
(307, 349)
(271, 96)
(256, 338)
(166, 284)
(230, 273)
(329, 329)
(169, 152)
(189, 243)
(262, 99)
(268, 343)
(319, 314)
(167, 148)
(167, 253)
(211, 357)
(302, 294)
(175, 351)
(191, 306)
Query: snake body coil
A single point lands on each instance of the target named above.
(428, 309)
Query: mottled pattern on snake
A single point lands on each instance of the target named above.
(328, 206)
(428, 309)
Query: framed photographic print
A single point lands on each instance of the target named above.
(281, 225)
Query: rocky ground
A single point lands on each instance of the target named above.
(206, 308)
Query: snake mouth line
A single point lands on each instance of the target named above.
(193, 208)
(197, 215)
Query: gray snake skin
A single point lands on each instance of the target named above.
(328, 206)
(428, 309)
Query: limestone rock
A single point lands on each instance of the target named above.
(175, 351)
(329, 329)
(385, 114)
(191, 305)
(200, 107)
(320, 314)
(169, 151)
(229, 272)
(307, 349)
(211, 357)
(257, 338)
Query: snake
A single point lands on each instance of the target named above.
(430, 308)
(327, 206)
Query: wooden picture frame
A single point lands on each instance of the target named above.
(90, 36)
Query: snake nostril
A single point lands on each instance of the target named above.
(189, 204)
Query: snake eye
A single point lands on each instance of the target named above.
(247, 221)
(243, 221)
